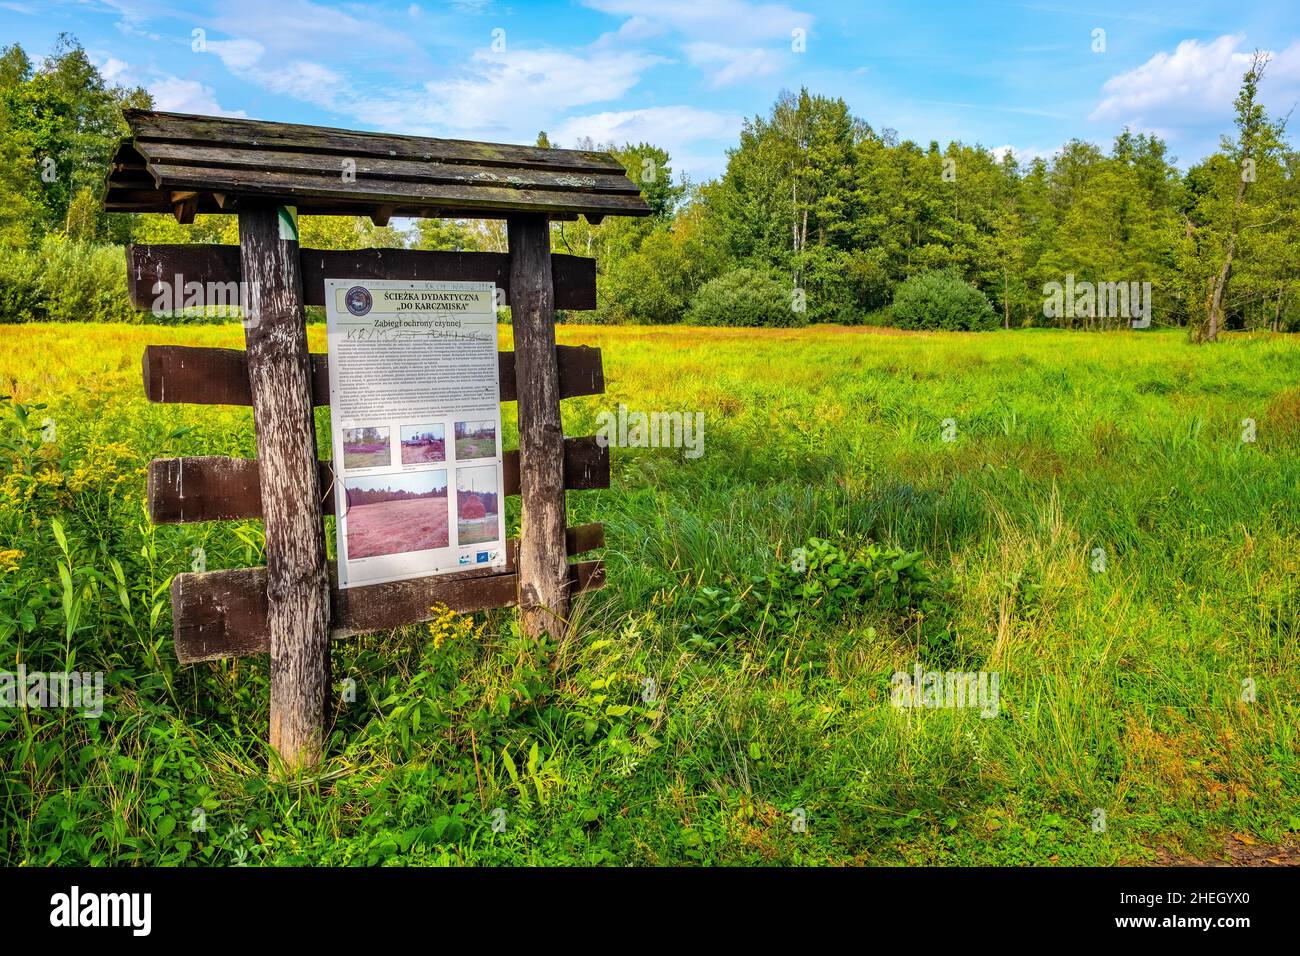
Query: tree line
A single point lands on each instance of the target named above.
(818, 217)
(843, 214)
(370, 496)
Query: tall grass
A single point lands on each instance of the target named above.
(1123, 690)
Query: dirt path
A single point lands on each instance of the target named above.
(1238, 850)
(475, 448)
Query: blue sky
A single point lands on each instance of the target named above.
(685, 73)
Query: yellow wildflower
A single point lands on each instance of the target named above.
(446, 624)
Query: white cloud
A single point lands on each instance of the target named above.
(170, 93)
(712, 20)
(237, 55)
(132, 15)
(1024, 155)
(176, 95)
(310, 82)
(730, 40)
(523, 82)
(114, 71)
(383, 74)
(1195, 83)
(639, 28)
(510, 95)
(302, 79)
(732, 65)
(356, 66)
(277, 32)
(678, 129)
(658, 124)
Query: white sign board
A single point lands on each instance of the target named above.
(415, 413)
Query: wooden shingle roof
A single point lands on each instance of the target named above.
(174, 162)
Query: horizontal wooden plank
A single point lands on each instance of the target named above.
(130, 197)
(216, 488)
(237, 133)
(172, 266)
(582, 372)
(212, 156)
(578, 539)
(210, 376)
(220, 614)
(159, 201)
(199, 375)
(131, 178)
(586, 466)
(210, 488)
(287, 187)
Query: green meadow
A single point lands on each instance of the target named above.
(1107, 522)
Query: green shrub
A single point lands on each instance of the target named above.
(655, 283)
(642, 288)
(21, 299)
(942, 300)
(829, 295)
(744, 297)
(874, 317)
(827, 581)
(64, 280)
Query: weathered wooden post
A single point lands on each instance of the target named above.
(280, 381)
(543, 567)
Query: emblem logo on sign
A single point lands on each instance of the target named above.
(358, 300)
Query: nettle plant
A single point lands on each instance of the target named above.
(825, 581)
(836, 580)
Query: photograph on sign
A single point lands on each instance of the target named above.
(415, 409)
(422, 443)
(365, 448)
